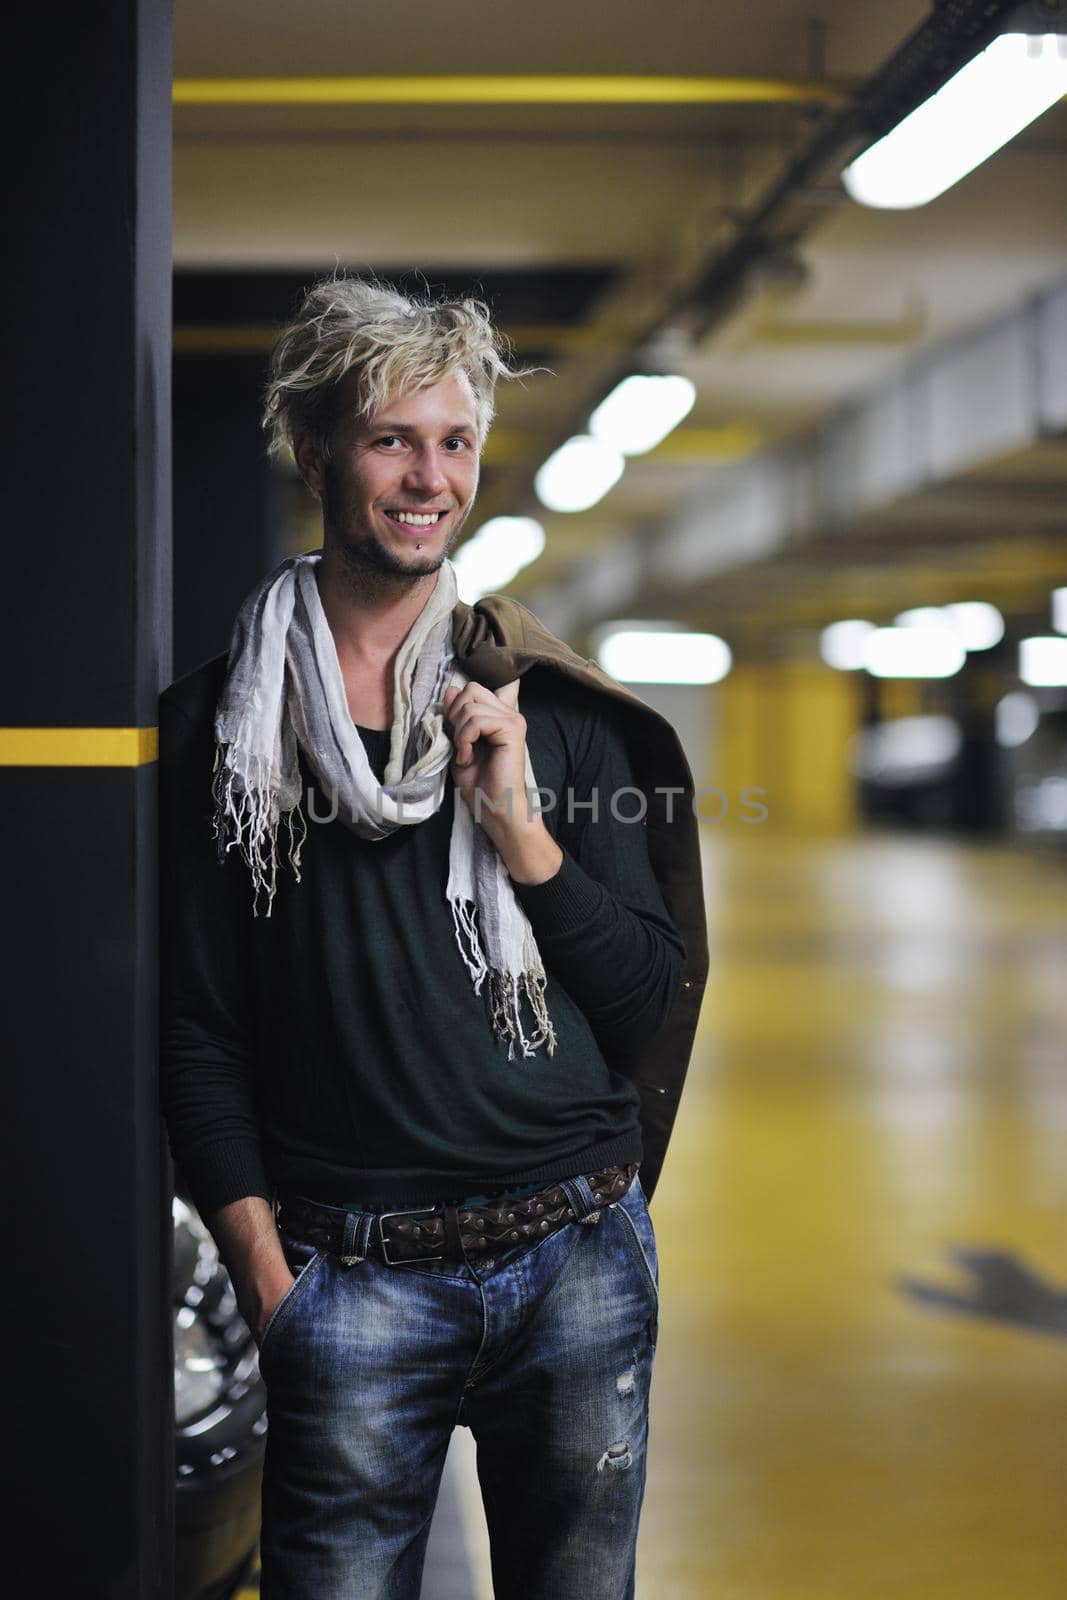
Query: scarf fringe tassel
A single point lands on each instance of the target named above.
(246, 817)
(507, 990)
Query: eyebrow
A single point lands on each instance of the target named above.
(408, 427)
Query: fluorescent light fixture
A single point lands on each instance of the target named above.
(496, 554)
(645, 656)
(905, 750)
(922, 617)
(640, 411)
(975, 624)
(994, 97)
(1041, 806)
(913, 653)
(1059, 610)
(841, 644)
(979, 625)
(578, 474)
(1043, 662)
(1016, 719)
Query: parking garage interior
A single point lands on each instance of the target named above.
(861, 519)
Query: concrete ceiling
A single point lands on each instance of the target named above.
(635, 197)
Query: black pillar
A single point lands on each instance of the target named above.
(227, 510)
(84, 650)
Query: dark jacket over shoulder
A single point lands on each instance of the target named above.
(498, 640)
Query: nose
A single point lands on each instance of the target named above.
(425, 474)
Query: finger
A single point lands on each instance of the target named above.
(476, 694)
(464, 737)
(458, 699)
(460, 747)
(493, 722)
(467, 728)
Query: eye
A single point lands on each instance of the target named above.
(459, 442)
(389, 439)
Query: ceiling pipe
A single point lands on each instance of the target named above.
(797, 200)
(955, 32)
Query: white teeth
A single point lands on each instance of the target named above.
(416, 519)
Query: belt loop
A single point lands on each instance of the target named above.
(581, 1197)
(453, 1242)
(356, 1239)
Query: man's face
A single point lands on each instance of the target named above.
(400, 483)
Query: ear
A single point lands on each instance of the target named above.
(509, 693)
(308, 462)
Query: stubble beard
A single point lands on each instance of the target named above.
(370, 566)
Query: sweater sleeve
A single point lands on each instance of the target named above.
(207, 1054)
(600, 922)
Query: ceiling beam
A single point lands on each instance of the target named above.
(699, 294)
(975, 400)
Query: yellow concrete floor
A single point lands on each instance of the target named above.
(880, 1081)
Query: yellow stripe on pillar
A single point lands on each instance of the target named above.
(78, 747)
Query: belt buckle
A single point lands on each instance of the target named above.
(384, 1216)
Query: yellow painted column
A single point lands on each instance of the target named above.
(900, 697)
(823, 712)
(780, 741)
(739, 750)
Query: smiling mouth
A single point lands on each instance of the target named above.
(421, 520)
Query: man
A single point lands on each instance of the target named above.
(417, 1019)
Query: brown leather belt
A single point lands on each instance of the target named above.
(448, 1232)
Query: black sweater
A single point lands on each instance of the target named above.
(337, 1048)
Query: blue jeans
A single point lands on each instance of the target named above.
(545, 1353)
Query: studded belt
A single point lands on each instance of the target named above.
(448, 1232)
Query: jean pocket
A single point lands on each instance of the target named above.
(632, 1211)
(304, 1261)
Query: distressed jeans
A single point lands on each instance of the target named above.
(545, 1353)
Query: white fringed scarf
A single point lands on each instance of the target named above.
(284, 691)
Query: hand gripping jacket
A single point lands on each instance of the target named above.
(498, 640)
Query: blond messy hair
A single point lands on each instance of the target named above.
(388, 342)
